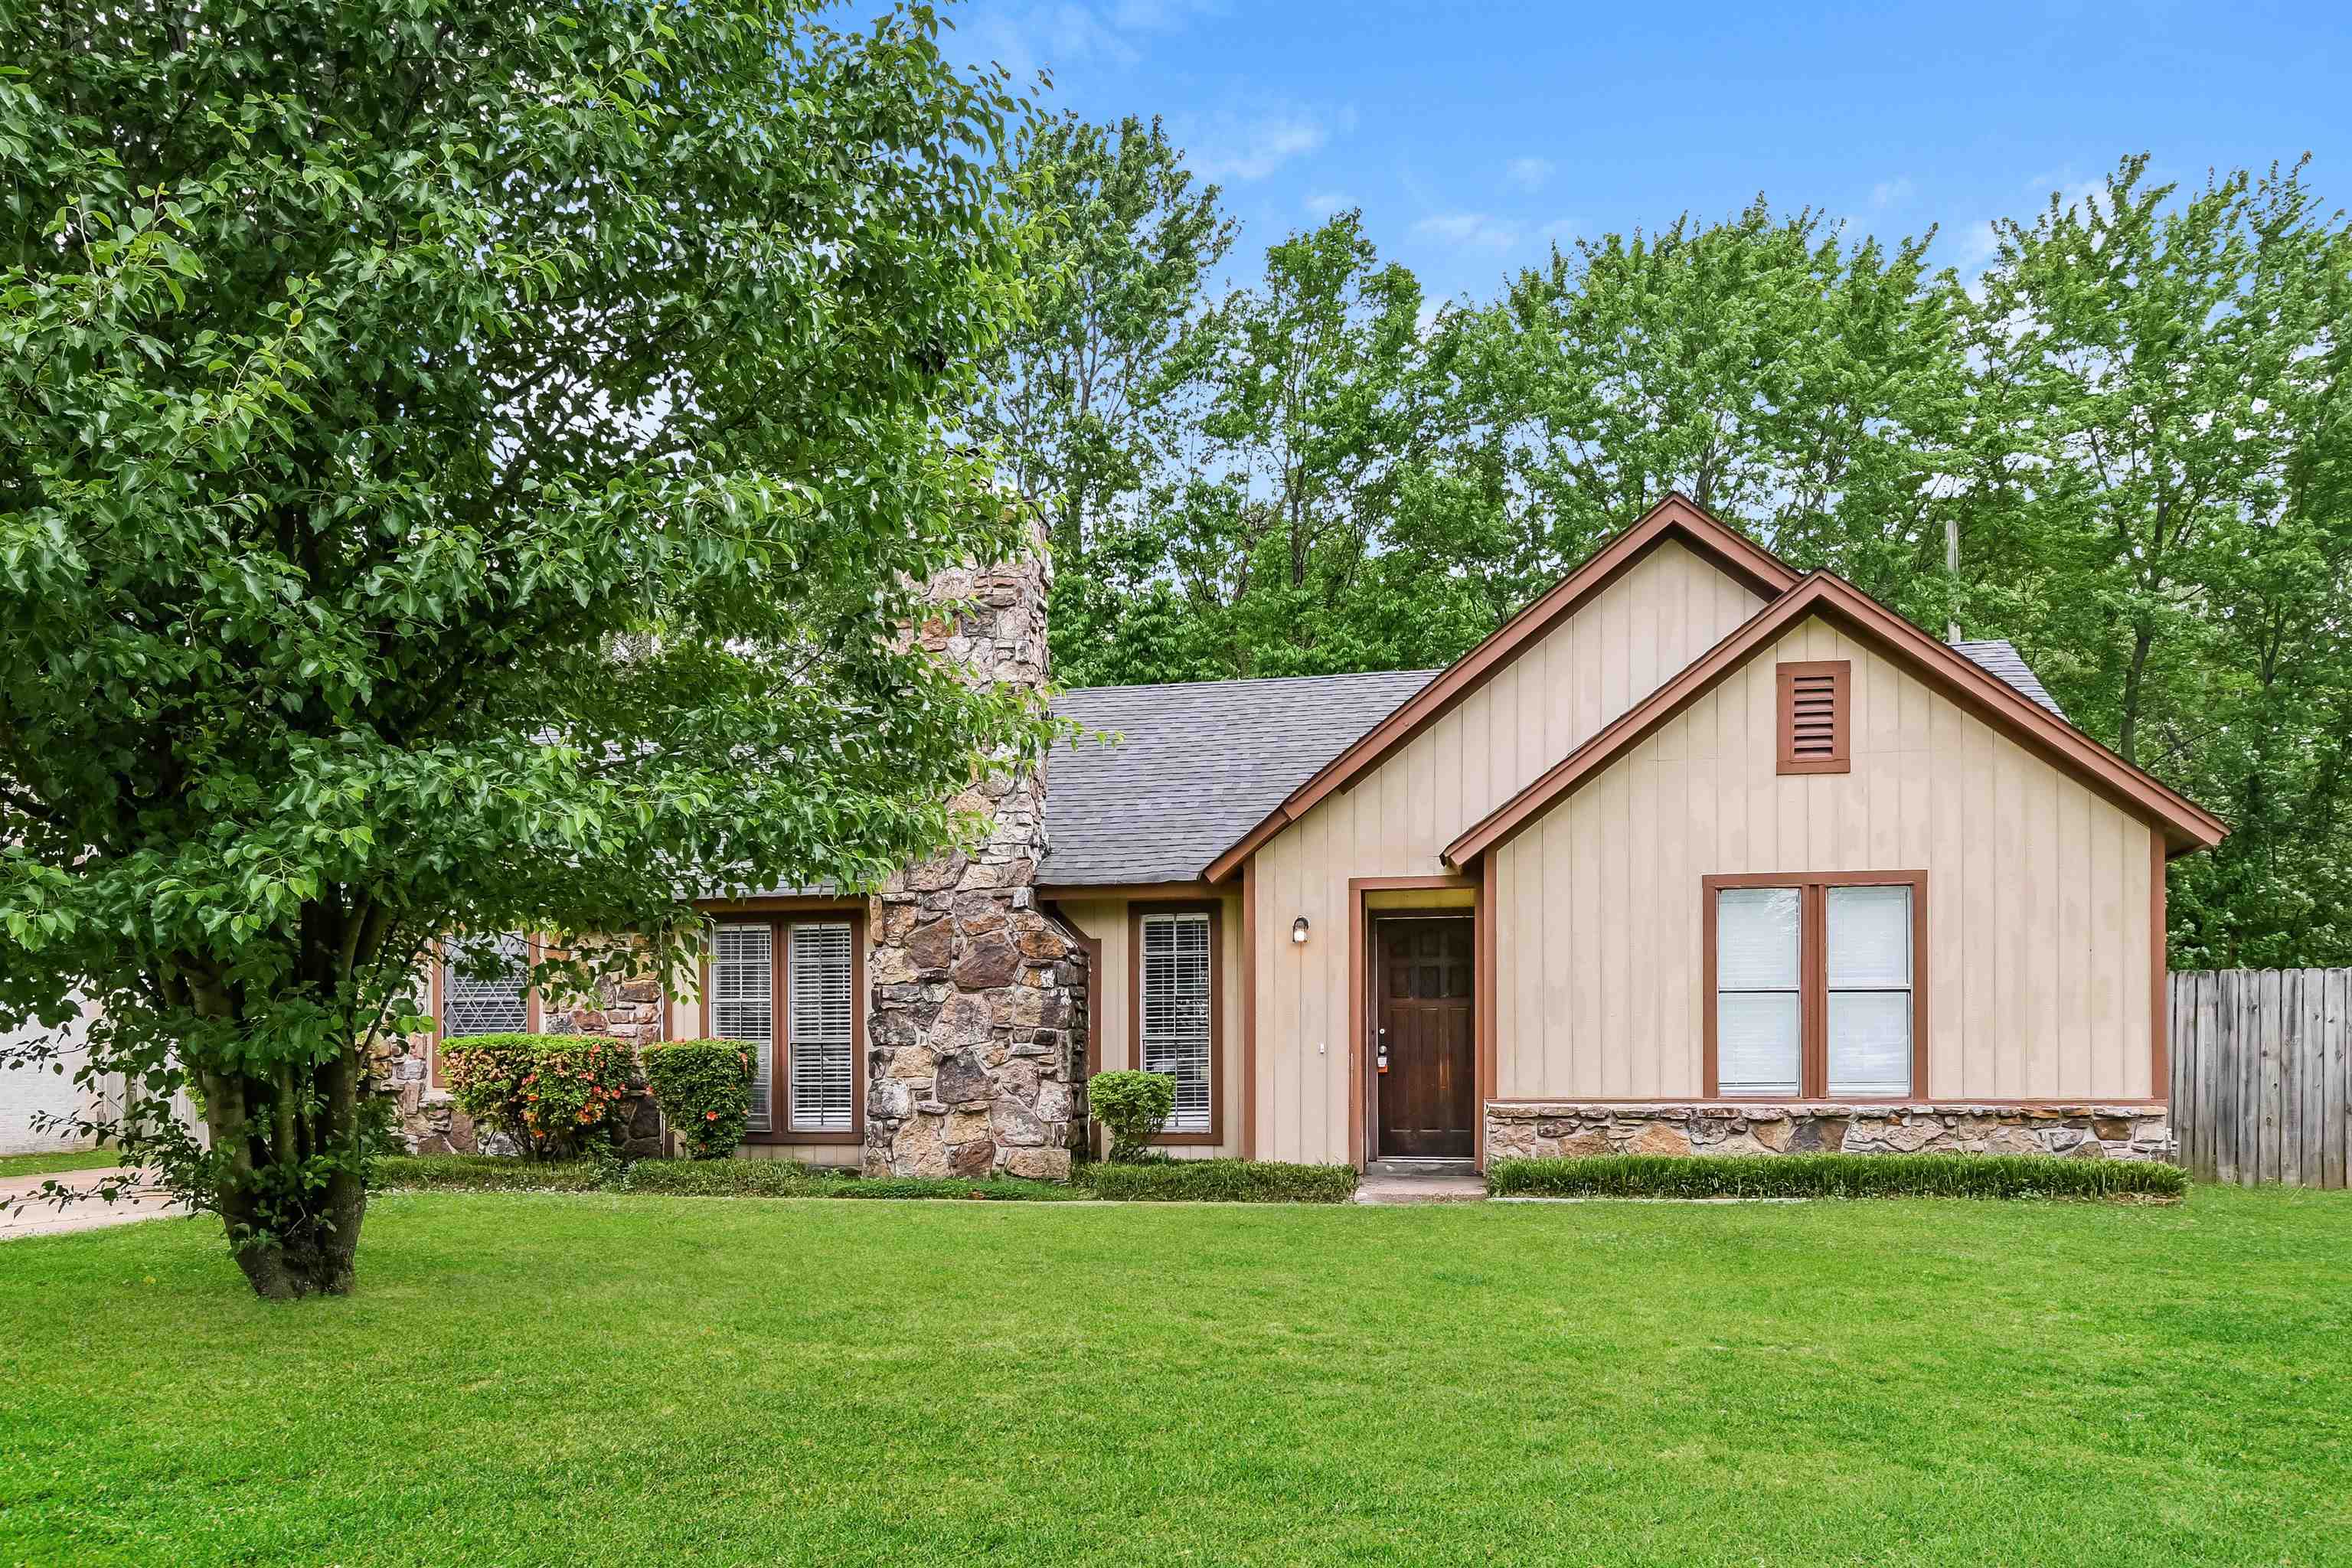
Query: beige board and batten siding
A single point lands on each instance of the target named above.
(2037, 894)
(1621, 644)
(1110, 990)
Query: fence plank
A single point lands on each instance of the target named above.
(2290, 1076)
(2208, 1067)
(2311, 1072)
(2335, 1114)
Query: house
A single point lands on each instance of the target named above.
(1697, 852)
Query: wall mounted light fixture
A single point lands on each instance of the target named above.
(1298, 930)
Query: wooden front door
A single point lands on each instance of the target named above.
(1422, 1008)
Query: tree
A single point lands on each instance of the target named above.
(464, 469)
(1084, 400)
(1783, 377)
(1078, 399)
(2168, 519)
(1276, 524)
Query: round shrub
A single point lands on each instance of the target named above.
(1134, 1105)
(704, 1088)
(554, 1094)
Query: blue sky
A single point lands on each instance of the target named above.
(1470, 135)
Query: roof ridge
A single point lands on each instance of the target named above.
(1246, 680)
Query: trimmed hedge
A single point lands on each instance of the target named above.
(1172, 1181)
(704, 1088)
(1134, 1105)
(1834, 1176)
(1219, 1181)
(685, 1178)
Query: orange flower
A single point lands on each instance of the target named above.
(711, 1116)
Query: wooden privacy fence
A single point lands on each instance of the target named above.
(2262, 1074)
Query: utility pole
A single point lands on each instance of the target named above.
(1952, 572)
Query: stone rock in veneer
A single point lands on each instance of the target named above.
(1658, 1137)
(1039, 1164)
(963, 1078)
(1567, 1129)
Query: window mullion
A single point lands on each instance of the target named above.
(1814, 1006)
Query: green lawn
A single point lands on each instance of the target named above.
(50, 1164)
(595, 1379)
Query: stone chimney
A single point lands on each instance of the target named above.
(976, 1024)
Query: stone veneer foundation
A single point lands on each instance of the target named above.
(1558, 1129)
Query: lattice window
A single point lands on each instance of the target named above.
(743, 1005)
(820, 1028)
(1176, 1002)
(486, 987)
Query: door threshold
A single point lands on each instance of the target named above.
(1421, 1166)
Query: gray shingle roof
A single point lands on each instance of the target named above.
(1202, 763)
(2000, 658)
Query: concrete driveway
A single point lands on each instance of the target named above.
(42, 1217)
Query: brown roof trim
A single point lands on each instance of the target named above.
(2185, 825)
(1677, 517)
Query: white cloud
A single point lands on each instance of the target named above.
(1887, 193)
(1026, 37)
(1236, 145)
(1529, 174)
(1475, 231)
(1323, 203)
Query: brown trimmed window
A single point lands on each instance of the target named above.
(1815, 986)
(806, 1041)
(1815, 711)
(482, 986)
(1175, 996)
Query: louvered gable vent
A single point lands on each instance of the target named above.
(1814, 717)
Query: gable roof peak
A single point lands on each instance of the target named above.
(2184, 824)
(1674, 516)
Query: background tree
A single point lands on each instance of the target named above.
(1082, 401)
(462, 469)
(1275, 527)
(1780, 376)
(2167, 529)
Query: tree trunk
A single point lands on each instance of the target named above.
(2128, 732)
(288, 1248)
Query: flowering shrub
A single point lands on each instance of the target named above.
(704, 1088)
(554, 1094)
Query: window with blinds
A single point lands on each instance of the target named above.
(1175, 1001)
(1867, 964)
(1816, 989)
(742, 1005)
(1814, 717)
(486, 987)
(820, 1030)
(1758, 979)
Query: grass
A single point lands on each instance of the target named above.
(52, 1164)
(602, 1379)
